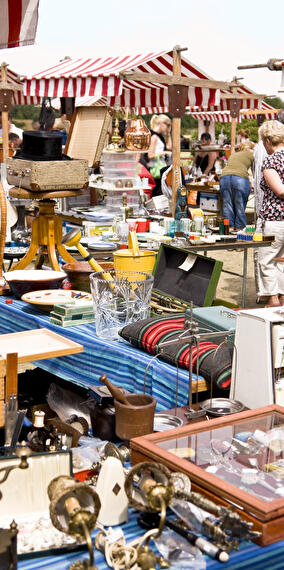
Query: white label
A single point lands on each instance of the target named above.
(188, 262)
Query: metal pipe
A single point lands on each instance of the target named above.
(273, 64)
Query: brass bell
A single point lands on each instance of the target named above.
(137, 135)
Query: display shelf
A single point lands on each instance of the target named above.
(236, 459)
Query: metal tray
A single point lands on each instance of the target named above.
(163, 422)
(221, 406)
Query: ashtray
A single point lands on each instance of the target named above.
(163, 422)
(221, 406)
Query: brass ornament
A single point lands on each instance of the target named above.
(74, 509)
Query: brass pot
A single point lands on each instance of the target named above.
(137, 135)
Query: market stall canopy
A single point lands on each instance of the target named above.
(83, 102)
(225, 116)
(18, 22)
(19, 98)
(101, 77)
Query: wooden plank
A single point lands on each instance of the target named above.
(176, 79)
(245, 96)
(11, 384)
(16, 192)
(176, 121)
(37, 344)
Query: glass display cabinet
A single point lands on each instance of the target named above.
(237, 460)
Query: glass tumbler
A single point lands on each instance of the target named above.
(119, 298)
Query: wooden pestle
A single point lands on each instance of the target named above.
(114, 390)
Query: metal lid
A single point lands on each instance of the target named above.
(163, 422)
(221, 406)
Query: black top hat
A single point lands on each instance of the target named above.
(40, 145)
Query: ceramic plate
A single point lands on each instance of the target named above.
(102, 245)
(47, 298)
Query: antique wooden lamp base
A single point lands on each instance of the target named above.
(46, 229)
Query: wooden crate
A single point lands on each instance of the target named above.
(177, 447)
(40, 176)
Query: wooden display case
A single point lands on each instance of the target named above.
(235, 460)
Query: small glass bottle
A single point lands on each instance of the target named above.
(226, 226)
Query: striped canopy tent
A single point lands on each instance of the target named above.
(100, 77)
(18, 22)
(225, 117)
(19, 98)
(83, 102)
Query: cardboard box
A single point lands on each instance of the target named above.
(209, 203)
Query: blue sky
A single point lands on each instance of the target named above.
(219, 35)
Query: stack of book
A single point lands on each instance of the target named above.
(76, 312)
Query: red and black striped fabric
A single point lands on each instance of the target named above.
(214, 362)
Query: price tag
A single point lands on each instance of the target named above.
(188, 262)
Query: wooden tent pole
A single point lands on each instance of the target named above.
(233, 127)
(176, 135)
(233, 133)
(5, 124)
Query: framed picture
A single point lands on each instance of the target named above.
(235, 460)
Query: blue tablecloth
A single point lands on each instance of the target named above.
(124, 364)
(249, 556)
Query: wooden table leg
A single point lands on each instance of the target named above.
(60, 247)
(51, 245)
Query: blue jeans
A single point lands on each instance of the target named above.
(235, 192)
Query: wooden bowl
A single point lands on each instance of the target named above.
(78, 273)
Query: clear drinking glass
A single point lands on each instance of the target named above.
(119, 298)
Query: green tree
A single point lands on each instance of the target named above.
(275, 102)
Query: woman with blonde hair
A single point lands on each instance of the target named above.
(271, 215)
(160, 147)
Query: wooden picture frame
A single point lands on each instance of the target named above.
(162, 447)
(31, 345)
(88, 133)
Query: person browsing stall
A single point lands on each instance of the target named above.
(271, 215)
(160, 148)
(203, 159)
(235, 185)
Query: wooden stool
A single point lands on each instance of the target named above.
(46, 229)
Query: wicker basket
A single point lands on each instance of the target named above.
(48, 174)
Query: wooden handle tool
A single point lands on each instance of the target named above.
(114, 390)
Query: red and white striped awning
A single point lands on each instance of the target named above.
(225, 117)
(18, 22)
(100, 78)
(83, 102)
(18, 97)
